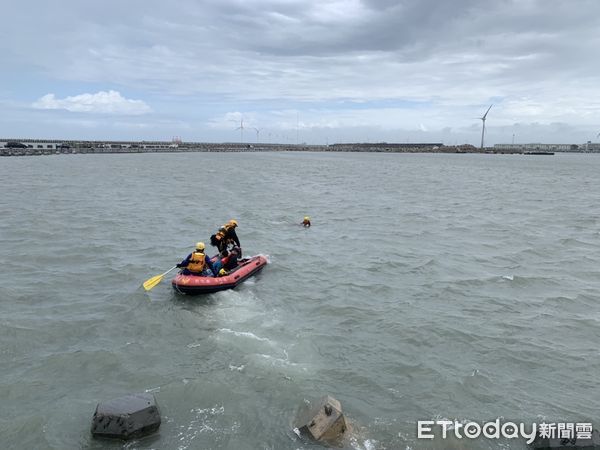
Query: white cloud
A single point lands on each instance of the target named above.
(389, 65)
(103, 102)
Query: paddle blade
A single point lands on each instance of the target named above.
(149, 284)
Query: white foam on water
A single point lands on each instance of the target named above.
(201, 422)
(247, 334)
(367, 444)
(275, 361)
(267, 257)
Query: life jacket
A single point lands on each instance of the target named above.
(223, 231)
(197, 262)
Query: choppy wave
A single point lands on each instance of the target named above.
(428, 285)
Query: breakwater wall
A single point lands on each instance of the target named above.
(38, 147)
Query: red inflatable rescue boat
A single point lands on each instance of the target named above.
(194, 284)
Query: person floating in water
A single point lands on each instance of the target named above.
(306, 222)
(225, 236)
(198, 263)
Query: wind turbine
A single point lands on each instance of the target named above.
(483, 125)
(257, 131)
(241, 128)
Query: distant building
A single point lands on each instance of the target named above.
(31, 146)
(27, 143)
(385, 147)
(590, 146)
(540, 147)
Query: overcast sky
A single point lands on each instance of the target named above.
(315, 71)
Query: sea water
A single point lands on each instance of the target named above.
(429, 287)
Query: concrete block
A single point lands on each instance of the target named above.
(131, 416)
(324, 422)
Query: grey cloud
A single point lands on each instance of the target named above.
(535, 59)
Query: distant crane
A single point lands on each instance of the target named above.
(483, 124)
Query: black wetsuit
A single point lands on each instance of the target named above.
(230, 236)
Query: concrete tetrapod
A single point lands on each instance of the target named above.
(324, 422)
(131, 416)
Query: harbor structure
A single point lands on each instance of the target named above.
(30, 147)
(588, 147)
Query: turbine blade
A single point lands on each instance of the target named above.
(488, 110)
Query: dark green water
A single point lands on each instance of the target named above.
(430, 286)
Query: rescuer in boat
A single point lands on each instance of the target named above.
(306, 222)
(225, 236)
(231, 261)
(223, 265)
(198, 263)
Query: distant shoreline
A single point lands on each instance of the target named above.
(52, 147)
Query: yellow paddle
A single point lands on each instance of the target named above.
(150, 283)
